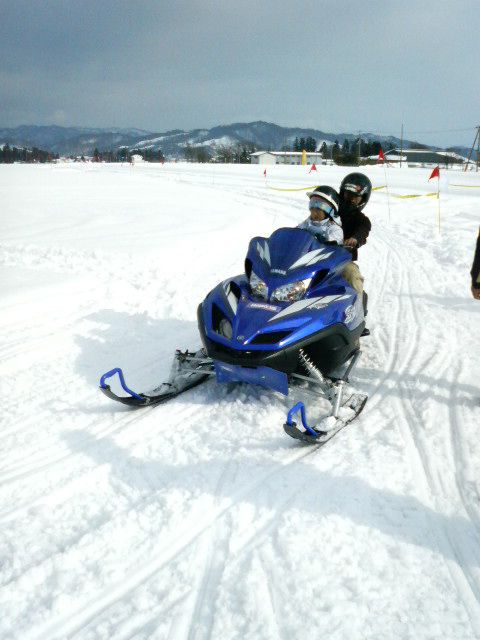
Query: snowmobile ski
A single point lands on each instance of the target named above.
(349, 410)
(188, 370)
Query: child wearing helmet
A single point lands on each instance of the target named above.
(323, 221)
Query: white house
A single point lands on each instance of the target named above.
(263, 157)
(285, 157)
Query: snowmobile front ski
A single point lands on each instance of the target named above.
(349, 410)
(342, 411)
(188, 371)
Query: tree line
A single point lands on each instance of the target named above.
(238, 153)
(9, 155)
(347, 153)
(124, 154)
(351, 152)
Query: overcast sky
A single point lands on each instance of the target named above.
(335, 65)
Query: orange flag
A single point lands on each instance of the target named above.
(381, 156)
(312, 168)
(435, 173)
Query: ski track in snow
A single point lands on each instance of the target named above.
(440, 482)
(115, 593)
(188, 520)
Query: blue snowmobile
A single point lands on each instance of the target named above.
(290, 320)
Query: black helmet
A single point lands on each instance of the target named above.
(327, 193)
(359, 184)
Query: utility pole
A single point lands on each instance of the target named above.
(471, 150)
(478, 148)
(401, 145)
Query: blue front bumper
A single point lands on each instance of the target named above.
(262, 376)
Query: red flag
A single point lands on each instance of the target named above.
(265, 173)
(312, 168)
(381, 156)
(435, 173)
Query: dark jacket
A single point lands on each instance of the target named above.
(475, 272)
(355, 224)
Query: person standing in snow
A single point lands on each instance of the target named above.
(323, 221)
(355, 191)
(475, 271)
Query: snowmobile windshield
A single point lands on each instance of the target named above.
(291, 253)
(288, 245)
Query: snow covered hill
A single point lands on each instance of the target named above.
(264, 135)
(82, 140)
(199, 518)
(71, 140)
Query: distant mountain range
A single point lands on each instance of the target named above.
(264, 135)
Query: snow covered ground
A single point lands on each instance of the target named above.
(200, 518)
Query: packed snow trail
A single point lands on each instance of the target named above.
(199, 518)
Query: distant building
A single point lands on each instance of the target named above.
(285, 157)
(421, 158)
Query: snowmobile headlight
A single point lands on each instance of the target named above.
(225, 328)
(259, 288)
(291, 292)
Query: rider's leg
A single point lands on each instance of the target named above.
(352, 275)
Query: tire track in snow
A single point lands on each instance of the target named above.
(468, 586)
(449, 372)
(396, 359)
(46, 461)
(460, 447)
(85, 614)
(91, 439)
(212, 549)
(465, 577)
(401, 361)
